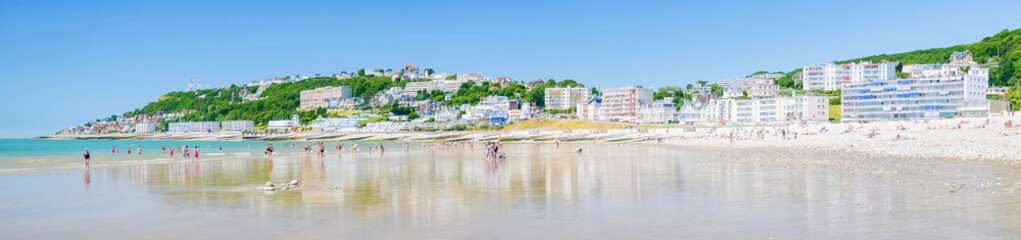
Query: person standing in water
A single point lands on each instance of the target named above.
(85, 155)
(139, 151)
(196, 151)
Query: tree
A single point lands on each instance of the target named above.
(717, 90)
(361, 72)
(703, 82)
(429, 71)
(452, 77)
(595, 92)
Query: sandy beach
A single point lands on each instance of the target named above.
(984, 139)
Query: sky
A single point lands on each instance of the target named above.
(63, 63)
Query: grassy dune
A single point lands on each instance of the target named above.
(571, 124)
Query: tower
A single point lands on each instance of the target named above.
(190, 85)
(199, 87)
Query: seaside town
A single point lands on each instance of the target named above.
(511, 120)
(858, 92)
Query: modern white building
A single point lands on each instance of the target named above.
(145, 127)
(924, 97)
(237, 126)
(832, 76)
(710, 110)
(317, 98)
(739, 83)
(412, 88)
(564, 98)
(193, 127)
(623, 104)
(285, 124)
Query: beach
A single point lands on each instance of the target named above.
(967, 139)
(611, 190)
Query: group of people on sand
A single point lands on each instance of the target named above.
(493, 150)
(116, 150)
(320, 148)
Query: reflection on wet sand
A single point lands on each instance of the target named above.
(607, 191)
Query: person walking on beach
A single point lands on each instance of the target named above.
(87, 157)
(783, 132)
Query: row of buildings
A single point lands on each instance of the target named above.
(210, 126)
(954, 89)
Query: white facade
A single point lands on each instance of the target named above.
(237, 126)
(145, 127)
(564, 98)
(412, 88)
(285, 124)
(316, 98)
(924, 97)
(591, 111)
(762, 111)
(832, 76)
(662, 111)
(193, 127)
(623, 104)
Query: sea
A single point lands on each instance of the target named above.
(534, 190)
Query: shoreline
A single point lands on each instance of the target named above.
(968, 139)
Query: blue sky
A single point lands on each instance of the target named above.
(63, 63)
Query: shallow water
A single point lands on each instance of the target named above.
(610, 191)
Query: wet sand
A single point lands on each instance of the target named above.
(610, 191)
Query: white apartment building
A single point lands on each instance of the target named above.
(764, 88)
(193, 127)
(923, 97)
(780, 110)
(710, 110)
(564, 98)
(145, 127)
(412, 88)
(285, 124)
(741, 82)
(316, 98)
(662, 111)
(832, 76)
(237, 126)
(623, 104)
(959, 61)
